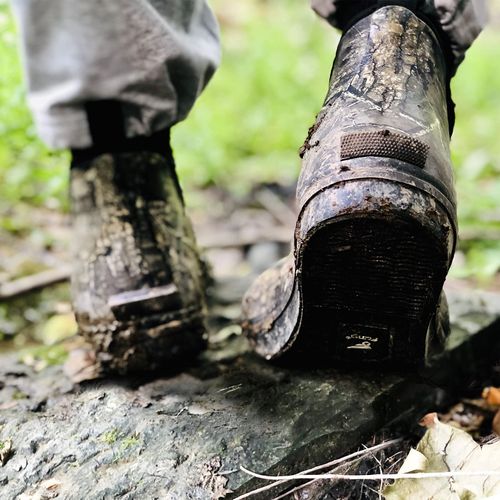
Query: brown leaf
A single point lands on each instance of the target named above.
(492, 395)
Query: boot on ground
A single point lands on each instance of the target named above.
(138, 282)
(376, 230)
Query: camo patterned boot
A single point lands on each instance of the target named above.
(137, 284)
(376, 229)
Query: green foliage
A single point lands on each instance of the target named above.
(124, 444)
(40, 357)
(249, 124)
(28, 318)
(28, 170)
(476, 156)
(110, 437)
(130, 441)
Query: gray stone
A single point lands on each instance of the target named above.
(185, 436)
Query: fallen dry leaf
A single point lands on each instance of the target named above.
(445, 448)
(492, 395)
(414, 462)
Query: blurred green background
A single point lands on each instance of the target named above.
(250, 122)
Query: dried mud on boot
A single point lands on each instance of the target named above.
(138, 283)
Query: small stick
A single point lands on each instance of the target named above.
(34, 282)
(228, 240)
(282, 480)
(312, 481)
(276, 207)
(375, 477)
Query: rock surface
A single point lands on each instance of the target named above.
(184, 436)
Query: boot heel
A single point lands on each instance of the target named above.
(373, 260)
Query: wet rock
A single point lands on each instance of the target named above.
(185, 436)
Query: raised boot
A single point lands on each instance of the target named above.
(376, 229)
(137, 284)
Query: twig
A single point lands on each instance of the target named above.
(374, 477)
(276, 207)
(309, 483)
(381, 469)
(283, 479)
(228, 240)
(34, 282)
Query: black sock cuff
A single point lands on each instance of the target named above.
(107, 131)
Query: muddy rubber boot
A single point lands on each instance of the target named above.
(376, 229)
(137, 284)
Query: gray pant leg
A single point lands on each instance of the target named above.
(461, 20)
(154, 56)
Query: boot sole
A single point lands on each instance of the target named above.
(154, 343)
(370, 278)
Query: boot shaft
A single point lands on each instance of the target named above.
(387, 97)
(131, 232)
